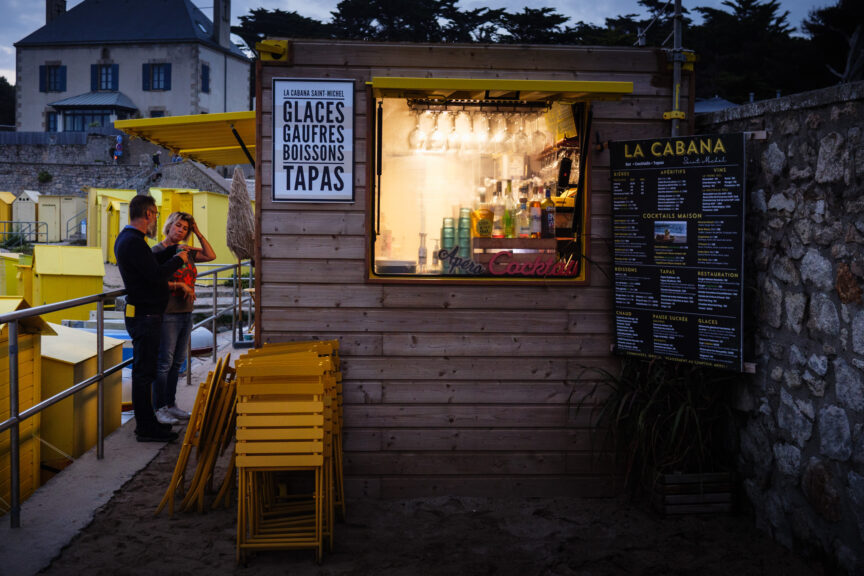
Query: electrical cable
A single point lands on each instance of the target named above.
(661, 12)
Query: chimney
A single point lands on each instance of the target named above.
(53, 9)
(221, 22)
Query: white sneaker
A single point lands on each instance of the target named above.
(165, 417)
(178, 413)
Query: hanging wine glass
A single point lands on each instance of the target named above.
(520, 140)
(481, 131)
(454, 138)
(437, 140)
(500, 134)
(464, 125)
(540, 139)
(417, 137)
(469, 142)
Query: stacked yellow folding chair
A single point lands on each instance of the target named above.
(326, 349)
(214, 436)
(284, 428)
(209, 431)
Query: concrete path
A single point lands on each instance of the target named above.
(57, 511)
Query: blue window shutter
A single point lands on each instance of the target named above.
(94, 77)
(42, 75)
(62, 78)
(145, 77)
(115, 77)
(167, 76)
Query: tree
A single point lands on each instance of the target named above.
(532, 26)
(7, 102)
(657, 30)
(626, 29)
(836, 33)
(747, 50)
(479, 25)
(261, 23)
(744, 47)
(393, 20)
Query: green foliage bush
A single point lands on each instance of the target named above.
(664, 416)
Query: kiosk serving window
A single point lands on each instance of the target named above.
(481, 180)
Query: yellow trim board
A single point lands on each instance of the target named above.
(483, 88)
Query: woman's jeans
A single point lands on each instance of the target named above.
(176, 329)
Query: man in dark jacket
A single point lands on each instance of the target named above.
(145, 276)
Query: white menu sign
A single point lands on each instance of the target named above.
(313, 140)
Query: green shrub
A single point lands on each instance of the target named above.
(664, 416)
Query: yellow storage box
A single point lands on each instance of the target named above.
(69, 428)
(63, 273)
(30, 332)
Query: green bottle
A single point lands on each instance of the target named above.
(509, 217)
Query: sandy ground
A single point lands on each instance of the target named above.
(429, 537)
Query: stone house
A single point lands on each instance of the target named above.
(105, 60)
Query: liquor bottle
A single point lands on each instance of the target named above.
(509, 218)
(436, 263)
(482, 217)
(536, 211)
(497, 214)
(548, 215)
(421, 254)
(523, 219)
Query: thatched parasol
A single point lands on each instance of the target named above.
(240, 231)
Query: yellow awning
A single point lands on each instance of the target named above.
(205, 138)
(497, 89)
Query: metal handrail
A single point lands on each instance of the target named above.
(26, 232)
(74, 223)
(15, 418)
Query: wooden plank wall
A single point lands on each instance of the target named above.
(452, 390)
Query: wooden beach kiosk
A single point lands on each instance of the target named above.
(462, 374)
(453, 384)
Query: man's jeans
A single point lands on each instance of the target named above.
(145, 332)
(176, 329)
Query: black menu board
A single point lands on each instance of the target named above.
(678, 228)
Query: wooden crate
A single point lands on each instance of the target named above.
(693, 493)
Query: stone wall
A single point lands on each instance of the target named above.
(77, 160)
(802, 440)
(71, 162)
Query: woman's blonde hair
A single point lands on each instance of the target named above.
(173, 218)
